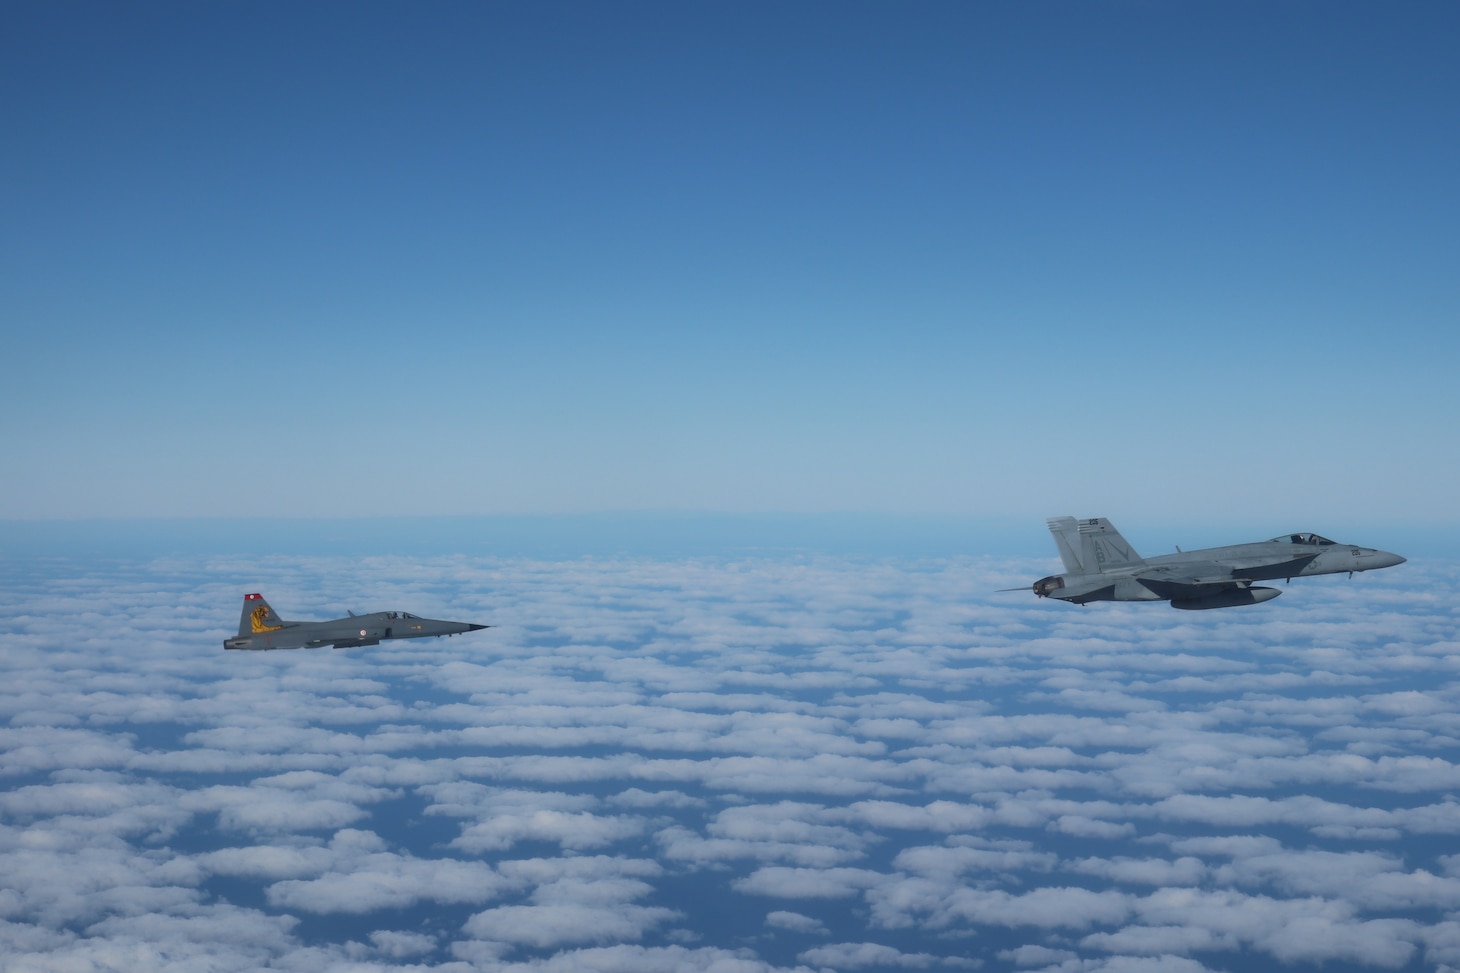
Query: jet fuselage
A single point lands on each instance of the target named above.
(1102, 566)
(260, 629)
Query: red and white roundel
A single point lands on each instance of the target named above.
(362, 633)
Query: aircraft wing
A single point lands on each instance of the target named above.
(1281, 569)
(1194, 591)
(1207, 577)
(1194, 579)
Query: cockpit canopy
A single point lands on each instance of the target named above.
(399, 615)
(1310, 539)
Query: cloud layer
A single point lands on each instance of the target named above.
(788, 763)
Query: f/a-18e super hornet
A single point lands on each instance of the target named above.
(1100, 565)
(260, 628)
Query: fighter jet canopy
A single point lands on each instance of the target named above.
(1302, 539)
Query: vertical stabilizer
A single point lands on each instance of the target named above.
(1103, 549)
(1066, 531)
(257, 617)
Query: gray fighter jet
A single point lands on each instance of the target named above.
(1101, 565)
(260, 628)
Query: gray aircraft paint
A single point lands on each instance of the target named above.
(1101, 565)
(260, 628)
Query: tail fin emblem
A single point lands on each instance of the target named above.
(259, 617)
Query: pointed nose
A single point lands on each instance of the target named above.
(1381, 559)
(477, 628)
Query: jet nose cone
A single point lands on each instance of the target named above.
(1383, 559)
(478, 628)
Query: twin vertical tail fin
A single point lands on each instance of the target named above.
(257, 617)
(1103, 549)
(1067, 538)
(1092, 546)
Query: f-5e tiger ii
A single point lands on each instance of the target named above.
(260, 628)
(1100, 565)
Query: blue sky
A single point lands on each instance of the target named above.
(1147, 261)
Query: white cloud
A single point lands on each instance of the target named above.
(270, 809)
(630, 959)
(364, 878)
(1082, 827)
(858, 956)
(573, 831)
(1386, 943)
(1292, 930)
(400, 945)
(684, 845)
(1032, 955)
(699, 741)
(544, 871)
(795, 922)
(566, 924)
(783, 882)
(637, 798)
(32, 749)
(1145, 871)
(940, 816)
(1147, 964)
(791, 831)
(266, 861)
(958, 860)
(592, 905)
(1050, 907)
